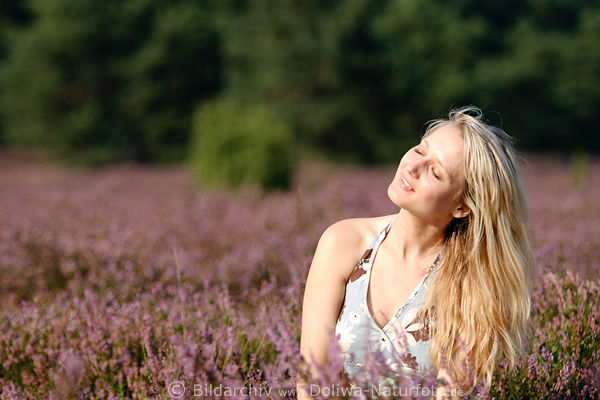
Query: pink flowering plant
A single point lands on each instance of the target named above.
(130, 283)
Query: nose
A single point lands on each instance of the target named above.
(413, 168)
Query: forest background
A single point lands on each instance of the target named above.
(355, 80)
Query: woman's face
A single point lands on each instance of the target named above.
(434, 173)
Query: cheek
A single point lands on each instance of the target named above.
(398, 170)
(444, 199)
(436, 192)
(405, 158)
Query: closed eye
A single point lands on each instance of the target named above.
(432, 171)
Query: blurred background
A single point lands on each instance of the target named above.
(123, 262)
(255, 85)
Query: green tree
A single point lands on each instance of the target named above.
(282, 53)
(236, 143)
(421, 64)
(110, 81)
(13, 14)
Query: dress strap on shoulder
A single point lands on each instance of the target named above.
(376, 241)
(383, 233)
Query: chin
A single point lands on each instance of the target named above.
(393, 195)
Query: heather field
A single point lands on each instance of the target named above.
(129, 282)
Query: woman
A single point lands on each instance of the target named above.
(451, 286)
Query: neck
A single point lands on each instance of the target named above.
(414, 240)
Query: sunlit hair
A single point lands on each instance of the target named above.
(480, 298)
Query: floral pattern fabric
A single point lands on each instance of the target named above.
(405, 337)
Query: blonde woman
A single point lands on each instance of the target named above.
(446, 282)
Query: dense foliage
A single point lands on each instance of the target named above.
(354, 78)
(109, 82)
(234, 143)
(118, 282)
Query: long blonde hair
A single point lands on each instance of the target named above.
(480, 299)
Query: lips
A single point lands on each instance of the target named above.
(404, 184)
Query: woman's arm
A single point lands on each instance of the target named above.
(332, 264)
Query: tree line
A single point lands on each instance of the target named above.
(355, 79)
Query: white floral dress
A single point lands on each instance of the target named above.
(357, 332)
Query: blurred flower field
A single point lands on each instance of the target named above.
(118, 282)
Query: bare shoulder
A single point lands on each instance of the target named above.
(347, 239)
(355, 231)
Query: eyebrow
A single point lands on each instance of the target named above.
(438, 161)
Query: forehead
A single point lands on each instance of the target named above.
(445, 143)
